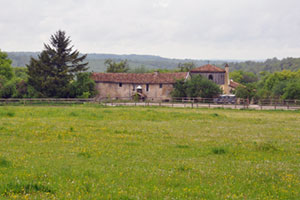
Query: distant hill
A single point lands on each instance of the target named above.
(96, 62)
(269, 65)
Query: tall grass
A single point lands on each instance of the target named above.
(96, 152)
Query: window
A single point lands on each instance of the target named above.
(147, 87)
(133, 87)
(160, 85)
(120, 84)
(210, 77)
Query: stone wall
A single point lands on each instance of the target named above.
(218, 78)
(125, 91)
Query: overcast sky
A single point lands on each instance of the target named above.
(199, 29)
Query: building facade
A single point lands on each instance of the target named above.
(218, 75)
(151, 86)
(155, 86)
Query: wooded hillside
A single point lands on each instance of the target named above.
(96, 62)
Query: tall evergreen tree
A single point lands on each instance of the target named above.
(52, 73)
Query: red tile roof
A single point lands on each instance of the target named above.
(233, 84)
(145, 78)
(208, 69)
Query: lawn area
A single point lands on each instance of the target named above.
(94, 152)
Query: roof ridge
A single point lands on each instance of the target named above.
(208, 68)
(142, 78)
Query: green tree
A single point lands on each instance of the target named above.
(273, 85)
(6, 71)
(8, 90)
(243, 77)
(113, 67)
(7, 83)
(278, 89)
(83, 86)
(186, 67)
(139, 70)
(180, 87)
(245, 91)
(292, 90)
(197, 86)
(21, 72)
(51, 74)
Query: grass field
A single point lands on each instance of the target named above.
(93, 152)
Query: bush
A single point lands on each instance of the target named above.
(8, 90)
(219, 150)
(245, 91)
(197, 86)
(85, 95)
(292, 90)
(83, 86)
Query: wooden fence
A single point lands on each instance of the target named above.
(264, 104)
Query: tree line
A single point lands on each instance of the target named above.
(61, 72)
(283, 84)
(58, 71)
(278, 85)
(142, 62)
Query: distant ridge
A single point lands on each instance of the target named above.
(96, 62)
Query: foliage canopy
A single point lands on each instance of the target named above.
(6, 71)
(114, 67)
(51, 74)
(197, 86)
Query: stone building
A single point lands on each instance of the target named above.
(218, 75)
(152, 86)
(155, 86)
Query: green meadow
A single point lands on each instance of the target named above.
(95, 152)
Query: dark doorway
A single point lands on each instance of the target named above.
(210, 77)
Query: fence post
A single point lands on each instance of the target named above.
(260, 103)
(288, 107)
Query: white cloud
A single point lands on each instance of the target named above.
(247, 29)
(161, 3)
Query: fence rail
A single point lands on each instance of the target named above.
(45, 100)
(263, 104)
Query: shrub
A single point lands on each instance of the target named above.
(8, 90)
(4, 162)
(218, 150)
(197, 86)
(266, 146)
(24, 188)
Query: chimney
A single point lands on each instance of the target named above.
(227, 81)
